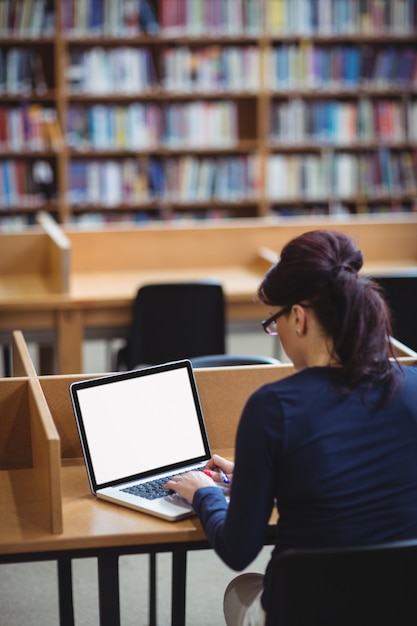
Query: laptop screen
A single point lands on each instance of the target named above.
(140, 423)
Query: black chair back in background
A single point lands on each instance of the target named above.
(401, 295)
(359, 586)
(173, 321)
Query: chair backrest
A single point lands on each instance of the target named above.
(401, 295)
(172, 321)
(358, 586)
(220, 360)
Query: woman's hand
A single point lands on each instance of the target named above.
(217, 463)
(187, 484)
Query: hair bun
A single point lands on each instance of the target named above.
(343, 267)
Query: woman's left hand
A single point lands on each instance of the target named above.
(187, 484)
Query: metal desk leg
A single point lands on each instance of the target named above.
(179, 574)
(7, 360)
(108, 589)
(152, 589)
(66, 605)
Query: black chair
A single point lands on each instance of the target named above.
(173, 321)
(358, 586)
(220, 360)
(401, 295)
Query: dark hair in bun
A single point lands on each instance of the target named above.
(321, 268)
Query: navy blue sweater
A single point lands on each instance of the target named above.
(341, 470)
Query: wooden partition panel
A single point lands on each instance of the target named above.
(223, 392)
(56, 391)
(46, 452)
(234, 244)
(23, 253)
(106, 268)
(15, 439)
(30, 460)
(58, 254)
(22, 361)
(35, 262)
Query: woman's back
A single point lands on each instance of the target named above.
(346, 470)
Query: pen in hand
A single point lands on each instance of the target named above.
(223, 476)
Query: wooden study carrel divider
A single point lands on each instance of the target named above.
(62, 286)
(46, 506)
(43, 483)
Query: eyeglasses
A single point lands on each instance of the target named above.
(270, 325)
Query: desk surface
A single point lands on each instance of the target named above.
(107, 268)
(118, 288)
(88, 522)
(94, 289)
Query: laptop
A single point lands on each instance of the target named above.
(137, 428)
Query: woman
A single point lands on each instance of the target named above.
(335, 445)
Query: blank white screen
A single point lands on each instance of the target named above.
(140, 424)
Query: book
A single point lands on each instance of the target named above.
(111, 183)
(77, 182)
(277, 177)
(51, 129)
(147, 17)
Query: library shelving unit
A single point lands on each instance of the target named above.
(147, 110)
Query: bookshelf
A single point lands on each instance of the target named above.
(206, 109)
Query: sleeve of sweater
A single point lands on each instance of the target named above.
(237, 531)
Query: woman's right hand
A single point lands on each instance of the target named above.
(218, 462)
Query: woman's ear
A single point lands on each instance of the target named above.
(299, 319)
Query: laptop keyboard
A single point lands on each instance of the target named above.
(154, 488)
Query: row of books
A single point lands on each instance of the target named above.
(139, 126)
(341, 175)
(329, 17)
(111, 183)
(201, 124)
(134, 126)
(125, 18)
(26, 18)
(90, 219)
(18, 186)
(93, 219)
(29, 127)
(22, 71)
(99, 70)
(143, 126)
(289, 66)
(127, 69)
(131, 70)
(339, 209)
(210, 68)
(213, 17)
(297, 120)
(168, 17)
(14, 223)
(231, 17)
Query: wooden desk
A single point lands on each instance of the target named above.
(47, 509)
(107, 267)
(46, 506)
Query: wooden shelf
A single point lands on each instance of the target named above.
(252, 108)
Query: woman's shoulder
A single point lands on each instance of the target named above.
(407, 373)
(301, 380)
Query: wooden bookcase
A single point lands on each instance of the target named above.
(209, 109)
